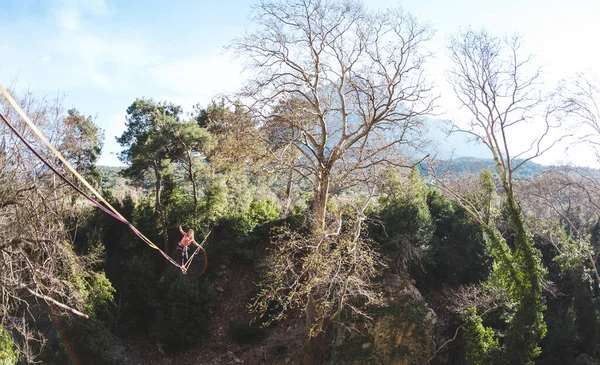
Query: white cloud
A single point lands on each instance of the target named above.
(82, 60)
(70, 12)
(68, 19)
(199, 78)
(92, 7)
(102, 81)
(96, 7)
(119, 51)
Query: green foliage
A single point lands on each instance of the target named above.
(260, 212)
(516, 276)
(91, 338)
(191, 138)
(179, 209)
(573, 256)
(236, 142)
(184, 310)
(214, 203)
(100, 291)
(481, 348)
(245, 333)
(406, 224)
(94, 343)
(111, 177)
(466, 165)
(519, 276)
(82, 143)
(94, 286)
(8, 354)
(143, 115)
(239, 235)
(560, 345)
(395, 189)
(137, 287)
(574, 317)
(457, 251)
(527, 326)
(485, 199)
(239, 191)
(146, 138)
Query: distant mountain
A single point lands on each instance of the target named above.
(447, 145)
(459, 153)
(112, 178)
(465, 165)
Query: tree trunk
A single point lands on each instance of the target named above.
(192, 180)
(159, 210)
(527, 322)
(315, 350)
(521, 241)
(320, 202)
(73, 196)
(288, 202)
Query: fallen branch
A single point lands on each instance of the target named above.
(57, 303)
(444, 345)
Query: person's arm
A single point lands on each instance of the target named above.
(181, 230)
(196, 243)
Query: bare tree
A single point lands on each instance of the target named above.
(354, 77)
(322, 276)
(579, 98)
(338, 92)
(570, 197)
(38, 268)
(503, 94)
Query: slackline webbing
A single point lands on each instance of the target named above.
(108, 209)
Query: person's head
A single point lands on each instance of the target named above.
(190, 233)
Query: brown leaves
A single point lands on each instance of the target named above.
(38, 268)
(322, 274)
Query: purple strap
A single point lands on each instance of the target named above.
(93, 201)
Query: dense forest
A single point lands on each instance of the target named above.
(334, 234)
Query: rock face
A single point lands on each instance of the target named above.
(401, 332)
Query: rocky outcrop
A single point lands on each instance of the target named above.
(401, 332)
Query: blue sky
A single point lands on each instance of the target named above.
(104, 53)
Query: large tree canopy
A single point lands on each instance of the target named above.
(346, 83)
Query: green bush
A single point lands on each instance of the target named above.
(94, 343)
(259, 213)
(92, 340)
(481, 348)
(238, 236)
(457, 252)
(137, 287)
(8, 354)
(184, 310)
(560, 344)
(404, 225)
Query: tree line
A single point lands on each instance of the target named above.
(317, 159)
